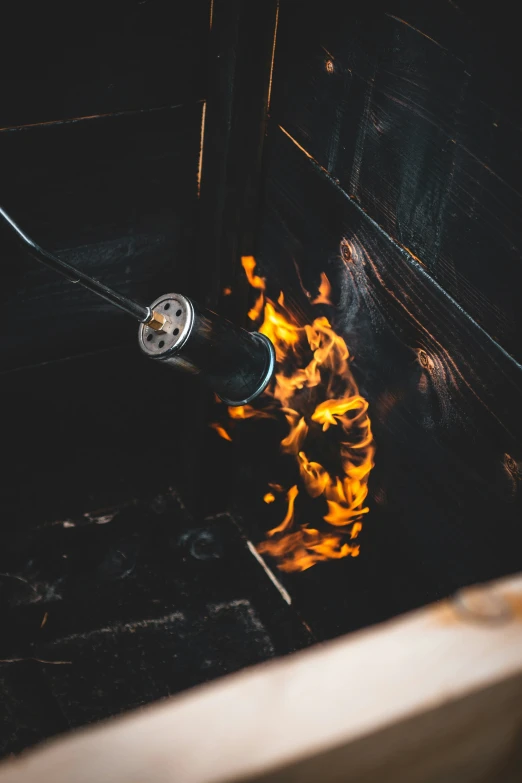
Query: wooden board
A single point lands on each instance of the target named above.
(58, 62)
(432, 696)
(408, 106)
(242, 42)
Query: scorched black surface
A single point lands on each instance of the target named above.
(121, 606)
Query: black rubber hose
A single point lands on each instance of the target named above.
(141, 312)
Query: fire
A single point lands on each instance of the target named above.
(221, 431)
(316, 393)
(325, 289)
(249, 264)
(288, 521)
(248, 412)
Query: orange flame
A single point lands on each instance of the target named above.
(248, 412)
(289, 517)
(315, 391)
(249, 264)
(295, 438)
(221, 431)
(325, 289)
(257, 309)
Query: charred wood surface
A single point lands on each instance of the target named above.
(412, 108)
(444, 397)
(62, 62)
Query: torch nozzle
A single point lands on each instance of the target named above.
(156, 321)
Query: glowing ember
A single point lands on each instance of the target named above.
(316, 393)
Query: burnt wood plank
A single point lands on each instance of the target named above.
(116, 196)
(241, 52)
(445, 404)
(62, 61)
(242, 43)
(140, 602)
(28, 713)
(398, 103)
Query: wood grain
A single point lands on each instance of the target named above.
(397, 104)
(431, 696)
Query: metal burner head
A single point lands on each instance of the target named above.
(236, 364)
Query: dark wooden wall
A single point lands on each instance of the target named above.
(100, 132)
(391, 161)
(100, 119)
(393, 164)
(99, 158)
(420, 123)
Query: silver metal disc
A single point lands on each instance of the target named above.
(180, 315)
